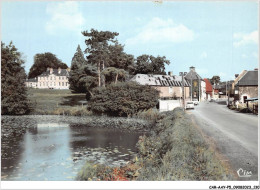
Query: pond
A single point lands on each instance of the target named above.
(57, 151)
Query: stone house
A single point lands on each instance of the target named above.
(170, 87)
(247, 86)
(51, 79)
(198, 85)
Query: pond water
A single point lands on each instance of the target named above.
(57, 151)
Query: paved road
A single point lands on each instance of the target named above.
(234, 134)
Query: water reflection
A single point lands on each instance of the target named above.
(56, 151)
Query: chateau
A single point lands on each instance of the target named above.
(51, 79)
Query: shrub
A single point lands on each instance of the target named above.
(123, 99)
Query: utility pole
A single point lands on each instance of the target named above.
(182, 85)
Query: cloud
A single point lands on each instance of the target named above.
(64, 16)
(242, 39)
(203, 55)
(162, 31)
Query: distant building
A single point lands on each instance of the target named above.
(198, 85)
(170, 87)
(247, 86)
(209, 89)
(51, 79)
(31, 83)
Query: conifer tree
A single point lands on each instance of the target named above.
(82, 75)
(13, 91)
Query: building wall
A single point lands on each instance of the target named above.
(31, 84)
(249, 91)
(53, 81)
(168, 105)
(168, 92)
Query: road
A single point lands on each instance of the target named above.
(234, 135)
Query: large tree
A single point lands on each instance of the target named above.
(13, 91)
(215, 80)
(83, 76)
(103, 50)
(44, 60)
(148, 64)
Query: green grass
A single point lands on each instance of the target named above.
(56, 102)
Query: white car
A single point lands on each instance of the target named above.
(190, 105)
(196, 102)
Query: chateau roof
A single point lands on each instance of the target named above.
(63, 72)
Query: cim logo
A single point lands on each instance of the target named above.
(244, 173)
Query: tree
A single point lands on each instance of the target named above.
(148, 64)
(83, 76)
(13, 91)
(44, 60)
(215, 80)
(103, 50)
(113, 74)
(123, 99)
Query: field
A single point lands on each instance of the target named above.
(57, 102)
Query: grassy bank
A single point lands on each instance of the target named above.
(175, 150)
(57, 102)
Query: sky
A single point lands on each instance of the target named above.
(217, 38)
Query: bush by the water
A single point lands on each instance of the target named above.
(175, 150)
(123, 99)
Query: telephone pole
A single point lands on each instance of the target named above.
(182, 85)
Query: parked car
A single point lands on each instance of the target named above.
(190, 105)
(196, 102)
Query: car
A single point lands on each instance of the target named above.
(190, 105)
(196, 102)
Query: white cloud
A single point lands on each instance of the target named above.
(242, 39)
(64, 16)
(203, 55)
(162, 31)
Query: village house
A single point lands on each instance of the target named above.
(209, 89)
(246, 87)
(169, 86)
(51, 79)
(198, 85)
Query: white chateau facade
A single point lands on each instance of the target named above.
(51, 79)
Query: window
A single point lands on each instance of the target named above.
(43, 83)
(50, 78)
(59, 83)
(54, 78)
(54, 84)
(40, 84)
(62, 83)
(66, 84)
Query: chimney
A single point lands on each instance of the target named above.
(51, 70)
(59, 70)
(170, 73)
(236, 75)
(192, 68)
(256, 69)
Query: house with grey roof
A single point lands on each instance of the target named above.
(169, 86)
(50, 79)
(247, 86)
(198, 85)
